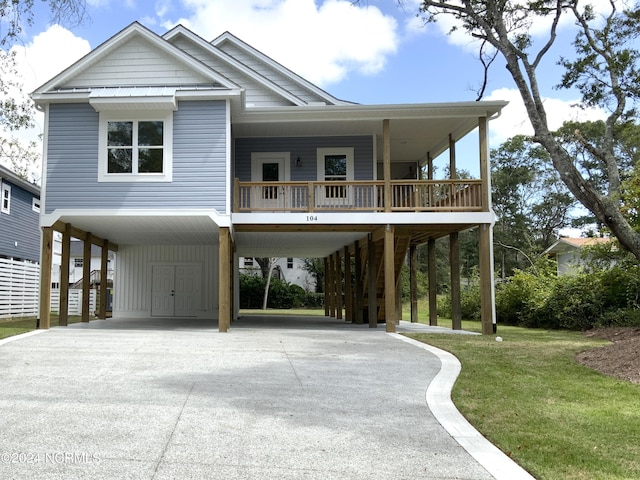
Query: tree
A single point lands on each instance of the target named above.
(606, 72)
(530, 202)
(16, 114)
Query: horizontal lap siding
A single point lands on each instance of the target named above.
(271, 73)
(19, 229)
(255, 94)
(304, 148)
(199, 162)
(137, 63)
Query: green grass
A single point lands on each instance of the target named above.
(555, 417)
(16, 326)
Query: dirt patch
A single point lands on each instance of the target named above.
(621, 359)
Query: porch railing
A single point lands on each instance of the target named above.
(406, 196)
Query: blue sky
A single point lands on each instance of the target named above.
(375, 52)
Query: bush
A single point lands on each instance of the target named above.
(281, 294)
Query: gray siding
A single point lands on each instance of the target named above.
(199, 162)
(20, 230)
(306, 149)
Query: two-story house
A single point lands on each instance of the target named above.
(184, 155)
(19, 244)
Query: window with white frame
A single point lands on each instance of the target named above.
(78, 262)
(335, 165)
(5, 207)
(135, 149)
(35, 204)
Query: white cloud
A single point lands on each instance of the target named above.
(514, 119)
(322, 43)
(48, 54)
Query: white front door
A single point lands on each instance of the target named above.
(175, 290)
(270, 167)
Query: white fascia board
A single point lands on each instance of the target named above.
(363, 218)
(226, 36)
(124, 35)
(391, 111)
(265, 82)
(49, 219)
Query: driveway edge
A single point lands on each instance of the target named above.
(438, 397)
(20, 336)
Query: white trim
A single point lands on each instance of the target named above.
(228, 146)
(258, 158)
(438, 399)
(167, 166)
(5, 188)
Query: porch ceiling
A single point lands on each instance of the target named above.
(148, 230)
(415, 130)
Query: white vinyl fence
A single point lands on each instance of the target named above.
(19, 284)
(19, 289)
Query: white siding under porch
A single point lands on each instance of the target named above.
(134, 277)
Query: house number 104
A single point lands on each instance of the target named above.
(312, 218)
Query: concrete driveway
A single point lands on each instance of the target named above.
(276, 398)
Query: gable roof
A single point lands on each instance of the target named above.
(564, 245)
(9, 176)
(229, 39)
(134, 32)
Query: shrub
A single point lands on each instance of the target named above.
(281, 294)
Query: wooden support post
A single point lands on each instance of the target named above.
(338, 259)
(326, 287)
(348, 287)
(372, 272)
(45, 278)
(224, 280)
(104, 260)
(332, 287)
(389, 279)
(454, 263)
(433, 286)
(86, 279)
(485, 171)
(398, 312)
(63, 315)
(487, 309)
(413, 280)
(386, 164)
(359, 291)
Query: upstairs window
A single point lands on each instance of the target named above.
(5, 207)
(135, 150)
(35, 204)
(335, 165)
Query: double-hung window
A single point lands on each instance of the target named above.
(5, 198)
(135, 149)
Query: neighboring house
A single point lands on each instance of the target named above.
(19, 244)
(569, 253)
(76, 263)
(185, 155)
(290, 270)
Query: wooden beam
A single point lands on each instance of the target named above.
(386, 163)
(338, 260)
(454, 264)
(413, 280)
(82, 235)
(485, 172)
(326, 287)
(487, 310)
(332, 287)
(359, 290)
(224, 276)
(389, 280)
(86, 278)
(372, 275)
(433, 287)
(348, 286)
(45, 278)
(63, 309)
(104, 259)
